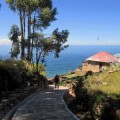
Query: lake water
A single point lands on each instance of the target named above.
(69, 59)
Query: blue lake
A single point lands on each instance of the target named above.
(69, 59)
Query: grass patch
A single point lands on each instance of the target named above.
(98, 98)
(108, 83)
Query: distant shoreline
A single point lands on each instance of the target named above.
(69, 59)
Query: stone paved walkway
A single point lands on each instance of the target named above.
(47, 105)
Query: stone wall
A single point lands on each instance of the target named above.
(93, 66)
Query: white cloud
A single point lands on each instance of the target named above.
(111, 42)
(5, 41)
(97, 42)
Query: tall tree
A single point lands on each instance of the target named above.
(45, 45)
(17, 5)
(43, 15)
(30, 11)
(13, 35)
(38, 16)
(43, 12)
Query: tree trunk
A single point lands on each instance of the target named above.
(33, 32)
(22, 37)
(36, 57)
(24, 23)
(29, 36)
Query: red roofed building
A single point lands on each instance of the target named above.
(98, 62)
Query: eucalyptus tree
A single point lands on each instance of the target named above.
(42, 17)
(29, 8)
(13, 35)
(38, 15)
(45, 45)
(17, 6)
(42, 10)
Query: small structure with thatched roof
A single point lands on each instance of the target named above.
(98, 62)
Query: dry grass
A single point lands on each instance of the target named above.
(106, 82)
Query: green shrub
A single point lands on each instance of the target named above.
(16, 74)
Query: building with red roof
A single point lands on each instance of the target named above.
(98, 62)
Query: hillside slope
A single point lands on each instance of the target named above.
(97, 95)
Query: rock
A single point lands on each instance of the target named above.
(77, 71)
(118, 113)
(104, 83)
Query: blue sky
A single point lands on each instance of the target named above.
(86, 20)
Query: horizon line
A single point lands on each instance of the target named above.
(77, 45)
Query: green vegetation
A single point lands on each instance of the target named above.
(107, 82)
(33, 46)
(73, 76)
(18, 74)
(13, 36)
(35, 16)
(97, 94)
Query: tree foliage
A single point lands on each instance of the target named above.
(13, 35)
(59, 41)
(35, 17)
(45, 45)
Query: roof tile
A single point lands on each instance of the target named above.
(102, 57)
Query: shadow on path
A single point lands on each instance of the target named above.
(46, 105)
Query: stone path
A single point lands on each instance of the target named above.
(47, 105)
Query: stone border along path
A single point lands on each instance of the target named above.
(44, 105)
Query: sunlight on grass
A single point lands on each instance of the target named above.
(112, 80)
(108, 82)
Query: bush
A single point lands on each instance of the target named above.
(81, 94)
(16, 74)
(96, 103)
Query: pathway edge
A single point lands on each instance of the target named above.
(68, 108)
(10, 114)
